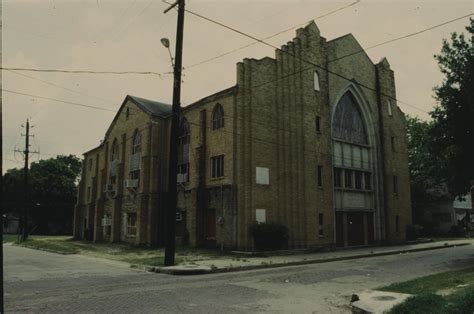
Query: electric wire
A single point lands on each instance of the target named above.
(58, 100)
(61, 87)
(262, 41)
(81, 71)
(271, 36)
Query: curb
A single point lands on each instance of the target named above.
(209, 270)
(44, 250)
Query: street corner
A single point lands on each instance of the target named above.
(373, 301)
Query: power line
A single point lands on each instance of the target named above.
(272, 36)
(59, 86)
(262, 41)
(81, 71)
(133, 19)
(59, 100)
(403, 37)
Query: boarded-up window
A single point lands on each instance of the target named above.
(262, 175)
(260, 215)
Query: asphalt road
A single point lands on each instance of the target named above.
(37, 281)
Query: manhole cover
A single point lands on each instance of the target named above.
(384, 298)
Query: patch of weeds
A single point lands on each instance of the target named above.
(10, 238)
(421, 304)
(433, 283)
(55, 246)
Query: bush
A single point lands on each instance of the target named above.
(269, 236)
(420, 304)
(414, 232)
(457, 231)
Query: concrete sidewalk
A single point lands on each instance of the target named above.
(239, 263)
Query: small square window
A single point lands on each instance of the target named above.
(320, 176)
(367, 180)
(358, 179)
(318, 124)
(217, 166)
(337, 177)
(132, 224)
(348, 178)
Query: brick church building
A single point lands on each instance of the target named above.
(321, 149)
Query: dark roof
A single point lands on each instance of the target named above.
(152, 107)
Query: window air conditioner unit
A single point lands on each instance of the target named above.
(131, 183)
(182, 177)
(109, 188)
(179, 216)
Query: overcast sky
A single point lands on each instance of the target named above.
(124, 35)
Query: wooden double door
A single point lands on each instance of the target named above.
(354, 228)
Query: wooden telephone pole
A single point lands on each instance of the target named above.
(173, 154)
(24, 214)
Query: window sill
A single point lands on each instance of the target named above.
(353, 190)
(217, 178)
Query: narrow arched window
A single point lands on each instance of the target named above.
(135, 159)
(183, 151)
(115, 151)
(136, 141)
(316, 81)
(218, 117)
(114, 156)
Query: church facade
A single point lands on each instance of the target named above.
(312, 139)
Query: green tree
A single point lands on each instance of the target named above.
(52, 192)
(427, 174)
(453, 119)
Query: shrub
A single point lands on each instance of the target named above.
(414, 232)
(457, 231)
(420, 304)
(269, 236)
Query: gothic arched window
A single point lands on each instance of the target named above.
(218, 117)
(348, 123)
(136, 141)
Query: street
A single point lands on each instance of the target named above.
(37, 281)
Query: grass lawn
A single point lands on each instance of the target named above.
(116, 251)
(449, 292)
(9, 238)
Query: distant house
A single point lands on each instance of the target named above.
(11, 223)
(461, 207)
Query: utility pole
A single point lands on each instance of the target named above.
(24, 215)
(173, 154)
